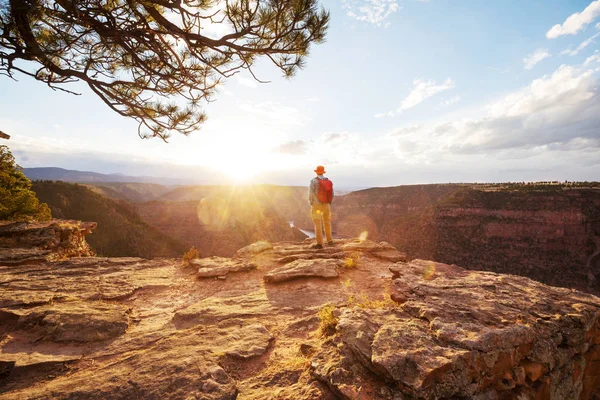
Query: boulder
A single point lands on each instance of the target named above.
(319, 268)
(23, 243)
(254, 249)
(213, 267)
(383, 250)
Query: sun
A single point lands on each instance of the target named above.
(242, 169)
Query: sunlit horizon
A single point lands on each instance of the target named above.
(429, 92)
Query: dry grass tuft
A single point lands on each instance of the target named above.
(328, 320)
(352, 261)
(363, 301)
(190, 255)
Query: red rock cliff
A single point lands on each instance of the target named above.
(551, 236)
(23, 243)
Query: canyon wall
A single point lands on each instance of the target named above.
(548, 235)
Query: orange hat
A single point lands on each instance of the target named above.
(320, 170)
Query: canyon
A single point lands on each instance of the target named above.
(549, 235)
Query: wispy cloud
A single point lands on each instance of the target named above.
(576, 22)
(535, 58)
(422, 90)
(582, 46)
(593, 58)
(449, 102)
(294, 147)
(558, 112)
(372, 11)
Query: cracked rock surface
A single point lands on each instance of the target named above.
(121, 328)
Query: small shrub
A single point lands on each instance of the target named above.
(328, 320)
(352, 261)
(190, 255)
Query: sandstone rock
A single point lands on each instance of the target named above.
(22, 243)
(321, 268)
(254, 249)
(240, 339)
(90, 278)
(213, 310)
(177, 367)
(367, 246)
(381, 250)
(20, 256)
(76, 321)
(164, 334)
(212, 267)
(473, 335)
(311, 256)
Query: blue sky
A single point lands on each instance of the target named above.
(402, 92)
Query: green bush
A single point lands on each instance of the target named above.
(17, 201)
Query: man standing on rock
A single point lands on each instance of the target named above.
(320, 195)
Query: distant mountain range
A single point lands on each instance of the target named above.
(118, 191)
(68, 175)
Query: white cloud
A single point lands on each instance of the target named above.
(582, 46)
(591, 59)
(535, 58)
(371, 11)
(560, 112)
(450, 101)
(576, 22)
(293, 147)
(422, 90)
(274, 114)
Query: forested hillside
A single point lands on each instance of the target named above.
(120, 231)
(135, 192)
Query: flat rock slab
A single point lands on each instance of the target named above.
(19, 256)
(254, 249)
(179, 367)
(215, 309)
(367, 246)
(86, 278)
(75, 321)
(311, 256)
(319, 268)
(213, 267)
(239, 338)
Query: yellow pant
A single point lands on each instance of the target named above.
(321, 216)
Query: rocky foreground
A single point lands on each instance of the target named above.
(283, 321)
